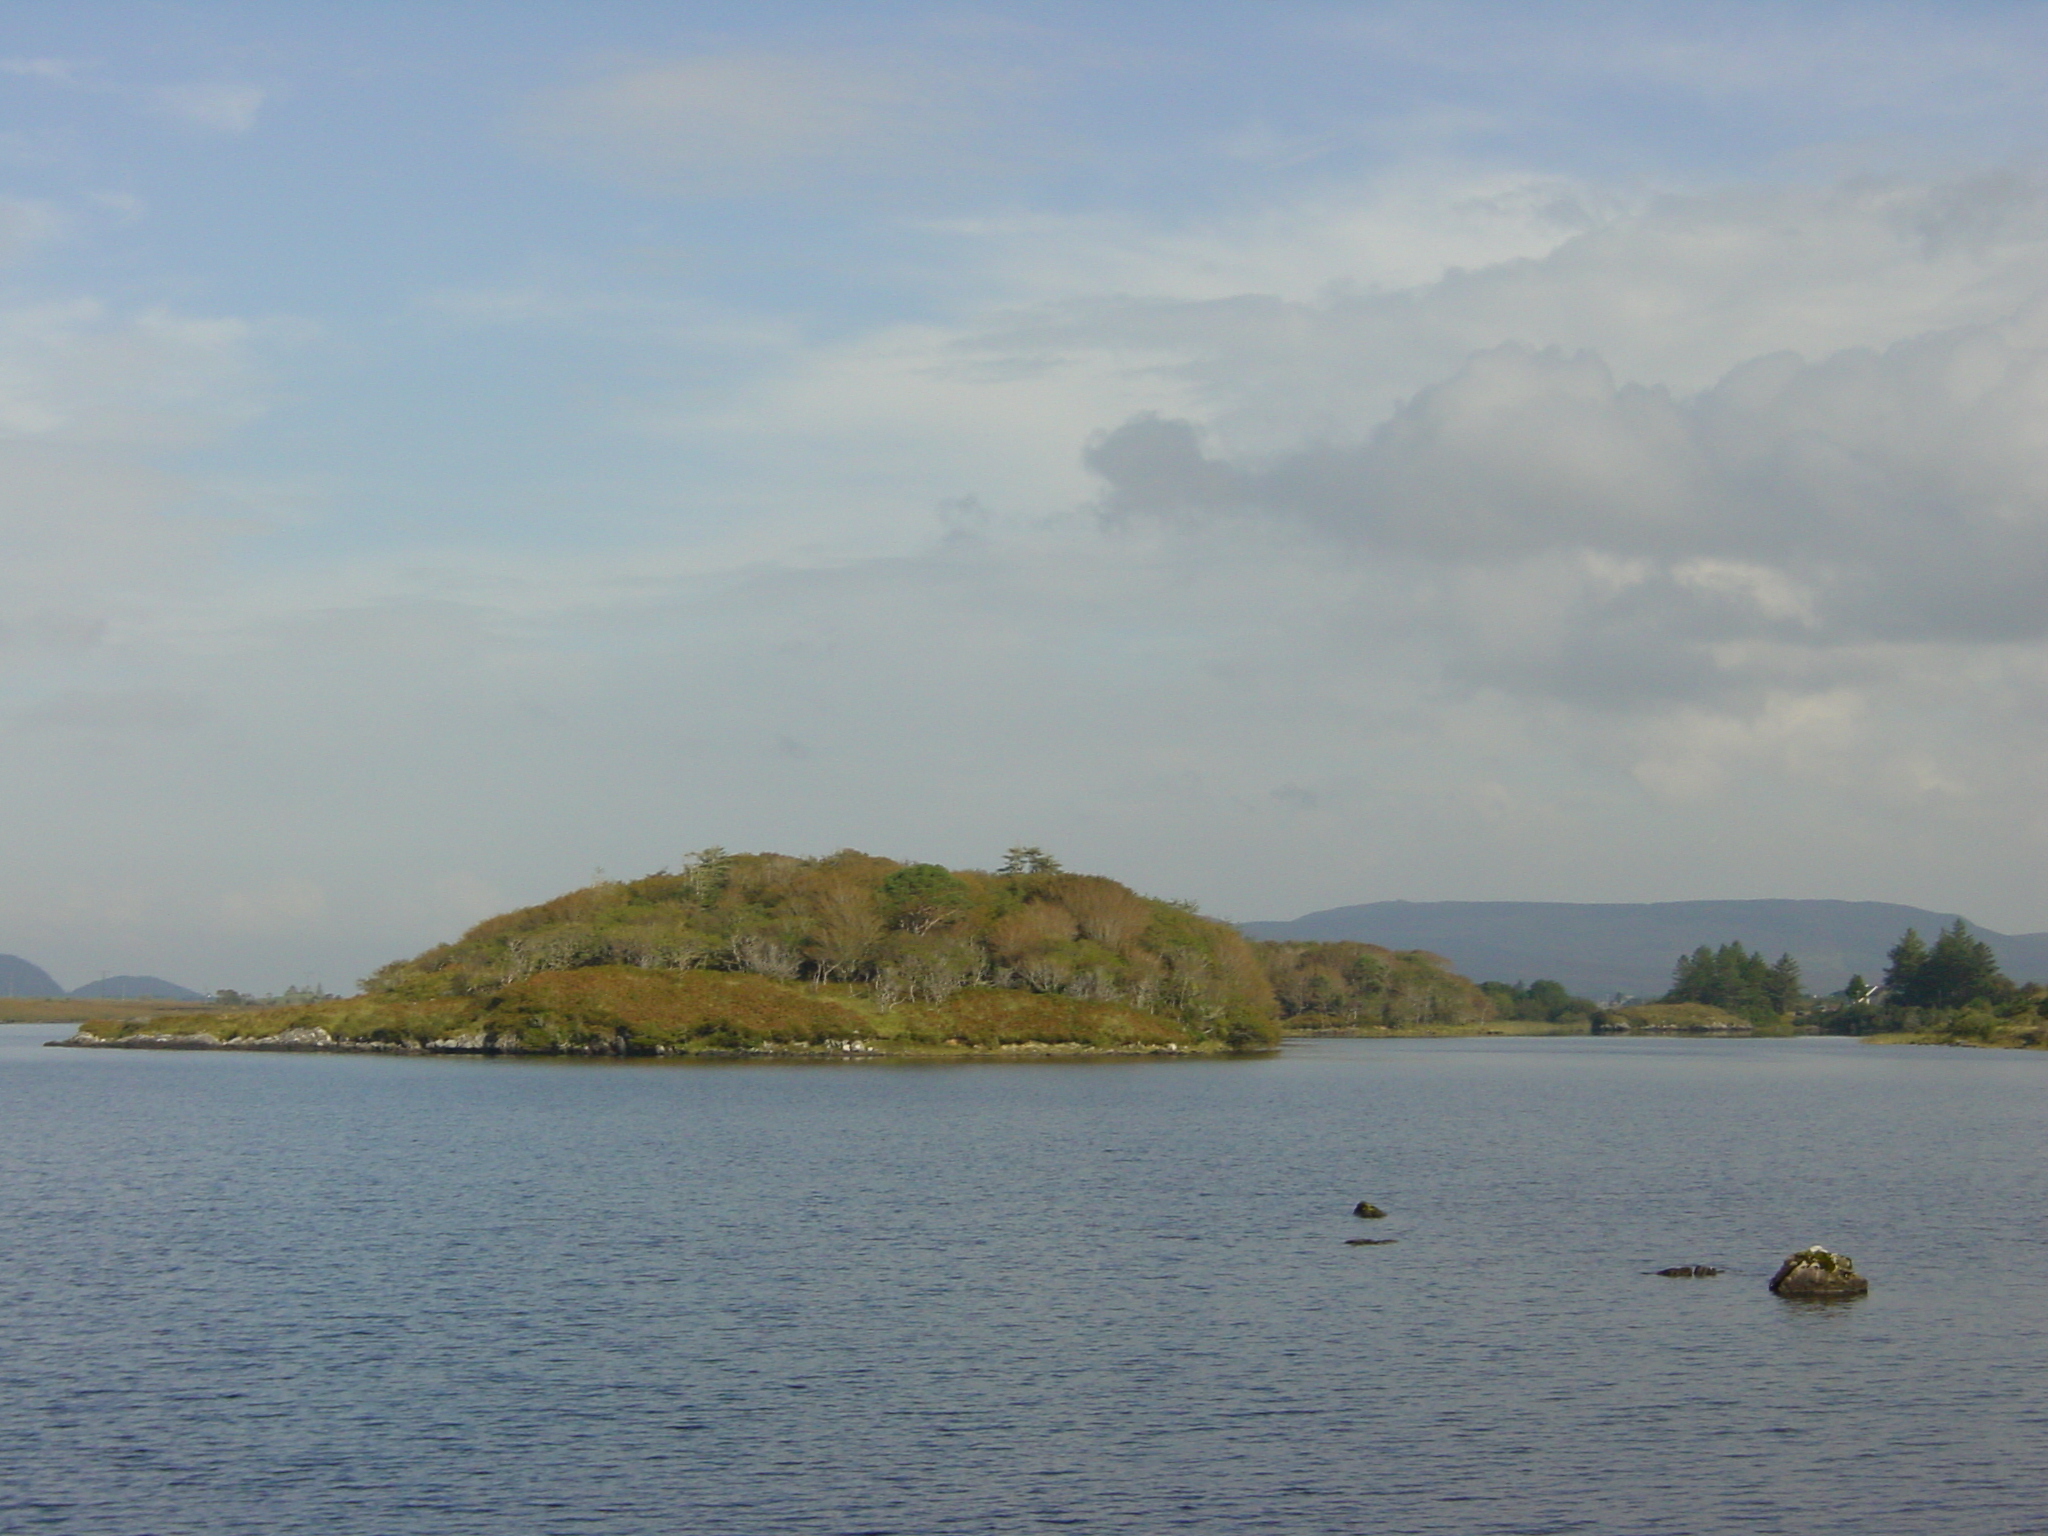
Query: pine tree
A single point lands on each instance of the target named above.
(1733, 978)
(1901, 977)
(1959, 969)
(1028, 861)
(1784, 988)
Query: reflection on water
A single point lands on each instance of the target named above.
(301, 1293)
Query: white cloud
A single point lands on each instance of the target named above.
(1657, 513)
(1317, 321)
(1897, 495)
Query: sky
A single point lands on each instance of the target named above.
(1280, 455)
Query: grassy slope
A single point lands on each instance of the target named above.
(1681, 1018)
(71, 1010)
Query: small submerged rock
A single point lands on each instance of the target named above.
(1369, 1242)
(1368, 1210)
(1688, 1272)
(1816, 1274)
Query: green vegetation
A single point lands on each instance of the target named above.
(1668, 1018)
(1347, 988)
(1952, 993)
(1733, 979)
(764, 953)
(1949, 993)
(70, 1010)
(750, 954)
(1959, 970)
(1544, 1002)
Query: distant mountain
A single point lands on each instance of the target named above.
(136, 987)
(18, 978)
(1599, 949)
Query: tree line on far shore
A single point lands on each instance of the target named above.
(1952, 987)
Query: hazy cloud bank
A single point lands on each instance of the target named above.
(1275, 474)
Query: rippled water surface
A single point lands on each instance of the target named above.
(287, 1294)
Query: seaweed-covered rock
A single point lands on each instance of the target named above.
(1367, 1209)
(1817, 1274)
(1688, 1272)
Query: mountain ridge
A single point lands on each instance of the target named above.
(24, 978)
(137, 988)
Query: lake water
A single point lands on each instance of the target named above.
(378, 1297)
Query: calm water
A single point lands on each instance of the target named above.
(359, 1295)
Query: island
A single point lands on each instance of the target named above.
(845, 956)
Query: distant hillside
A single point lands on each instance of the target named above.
(1603, 948)
(137, 987)
(18, 978)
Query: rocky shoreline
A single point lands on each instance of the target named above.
(481, 1043)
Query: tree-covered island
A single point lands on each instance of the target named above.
(850, 954)
(763, 954)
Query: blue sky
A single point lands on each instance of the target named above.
(1278, 454)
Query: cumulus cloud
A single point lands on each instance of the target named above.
(1447, 551)
(744, 123)
(1898, 495)
(1730, 443)
(1325, 316)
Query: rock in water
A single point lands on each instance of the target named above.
(1368, 1209)
(1818, 1274)
(1369, 1242)
(1689, 1271)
